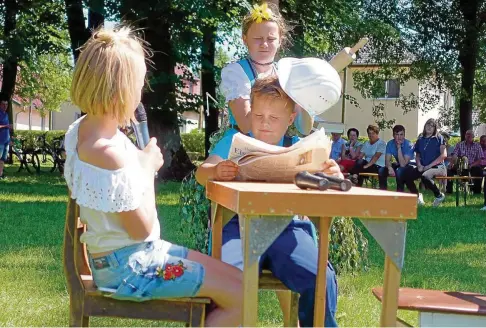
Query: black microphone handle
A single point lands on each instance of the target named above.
(342, 184)
(305, 180)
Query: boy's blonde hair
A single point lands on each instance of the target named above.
(104, 80)
(269, 88)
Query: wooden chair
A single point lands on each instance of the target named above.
(441, 309)
(86, 301)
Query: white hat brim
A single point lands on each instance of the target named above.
(284, 67)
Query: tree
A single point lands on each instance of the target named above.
(46, 78)
(23, 41)
(440, 40)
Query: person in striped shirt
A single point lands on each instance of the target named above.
(474, 153)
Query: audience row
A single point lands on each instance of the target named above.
(429, 157)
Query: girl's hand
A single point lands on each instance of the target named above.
(330, 167)
(154, 155)
(226, 171)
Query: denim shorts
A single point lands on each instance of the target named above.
(146, 271)
(3, 151)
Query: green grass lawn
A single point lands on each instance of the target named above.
(446, 249)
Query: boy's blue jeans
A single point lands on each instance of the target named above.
(292, 258)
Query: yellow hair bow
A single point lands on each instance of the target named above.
(260, 13)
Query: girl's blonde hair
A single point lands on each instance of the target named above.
(276, 17)
(106, 73)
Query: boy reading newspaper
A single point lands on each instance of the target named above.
(293, 256)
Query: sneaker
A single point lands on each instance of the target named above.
(2, 177)
(438, 200)
(420, 200)
(484, 208)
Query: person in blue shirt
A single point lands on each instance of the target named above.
(337, 146)
(401, 150)
(4, 135)
(430, 153)
(293, 256)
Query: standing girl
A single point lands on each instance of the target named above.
(113, 184)
(264, 33)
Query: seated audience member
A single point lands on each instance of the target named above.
(482, 142)
(474, 153)
(350, 150)
(293, 256)
(430, 152)
(337, 145)
(371, 157)
(401, 150)
(449, 148)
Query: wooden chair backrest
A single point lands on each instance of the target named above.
(75, 256)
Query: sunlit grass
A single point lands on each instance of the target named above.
(446, 248)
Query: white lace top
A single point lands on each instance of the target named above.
(235, 83)
(102, 193)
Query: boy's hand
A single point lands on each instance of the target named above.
(330, 167)
(226, 171)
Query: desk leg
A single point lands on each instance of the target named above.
(250, 278)
(321, 279)
(217, 230)
(390, 294)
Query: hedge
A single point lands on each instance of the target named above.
(194, 144)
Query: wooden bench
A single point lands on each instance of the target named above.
(86, 301)
(462, 184)
(441, 308)
(372, 177)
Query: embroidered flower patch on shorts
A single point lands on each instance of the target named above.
(171, 271)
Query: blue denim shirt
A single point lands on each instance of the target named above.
(429, 149)
(4, 132)
(407, 149)
(336, 148)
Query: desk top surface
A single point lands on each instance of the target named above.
(257, 198)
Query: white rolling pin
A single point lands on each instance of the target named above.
(346, 56)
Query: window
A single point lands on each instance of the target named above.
(390, 89)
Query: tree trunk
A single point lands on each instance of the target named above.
(208, 83)
(9, 75)
(76, 26)
(96, 14)
(160, 103)
(468, 54)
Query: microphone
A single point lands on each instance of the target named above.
(140, 128)
(305, 180)
(336, 183)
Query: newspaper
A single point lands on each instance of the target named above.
(259, 161)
